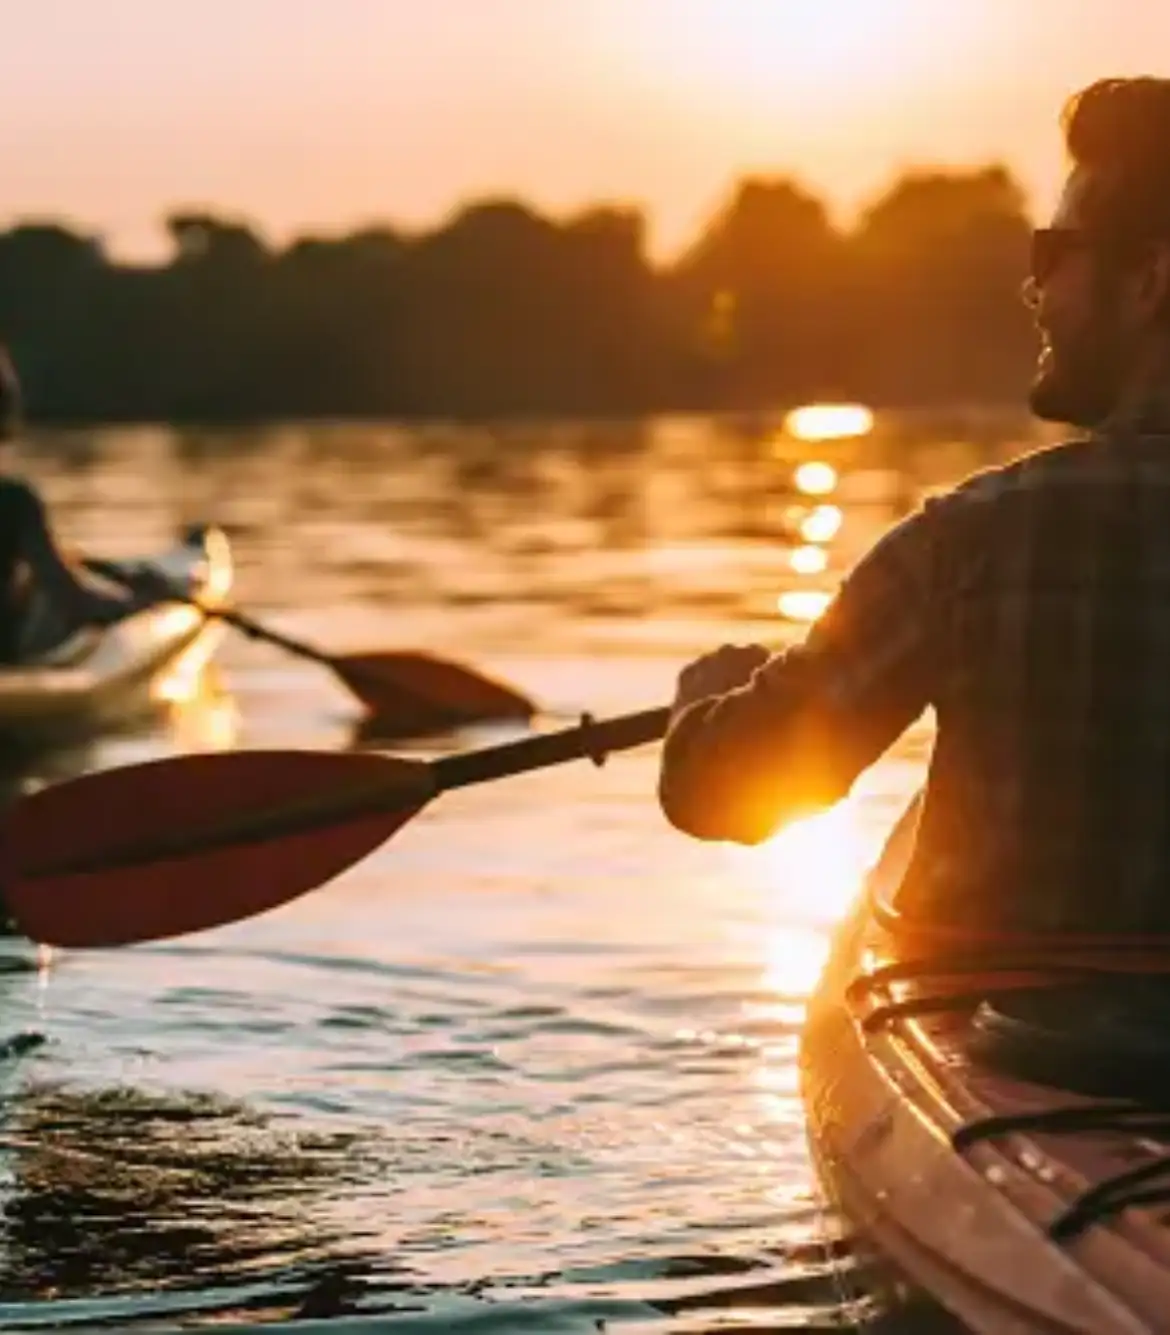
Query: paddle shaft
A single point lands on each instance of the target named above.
(254, 630)
(595, 739)
(433, 692)
(405, 787)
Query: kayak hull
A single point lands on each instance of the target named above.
(99, 679)
(980, 1215)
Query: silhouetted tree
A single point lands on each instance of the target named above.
(503, 311)
(759, 296)
(940, 259)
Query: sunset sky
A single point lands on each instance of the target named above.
(324, 114)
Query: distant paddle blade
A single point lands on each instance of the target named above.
(185, 844)
(411, 693)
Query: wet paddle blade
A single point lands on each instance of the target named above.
(411, 693)
(193, 842)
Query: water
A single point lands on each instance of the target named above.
(530, 1065)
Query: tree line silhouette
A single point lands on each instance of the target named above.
(501, 311)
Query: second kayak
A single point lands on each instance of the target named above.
(97, 678)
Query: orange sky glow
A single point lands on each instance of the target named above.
(326, 114)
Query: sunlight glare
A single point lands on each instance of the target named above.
(807, 874)
(829, 421)
(796, 956)
(822, 524)
(803, 605)
(815, 478)
(816, 864)
(182, 681)
(765, 55)
(808, 560)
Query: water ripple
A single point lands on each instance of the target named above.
(529, 1066)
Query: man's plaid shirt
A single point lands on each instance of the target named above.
(1031, 608)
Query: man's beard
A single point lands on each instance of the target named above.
(1080, 384)
(1081, 371)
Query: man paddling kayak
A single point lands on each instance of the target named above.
(1030, 607)
(43, 596)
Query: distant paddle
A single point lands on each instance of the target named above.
(406, 692)
(191, 842)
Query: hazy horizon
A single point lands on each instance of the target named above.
(302, 115)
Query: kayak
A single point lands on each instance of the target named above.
(994, 1125)
(92, 680)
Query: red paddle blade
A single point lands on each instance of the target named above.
(412, 693)
(192, 842)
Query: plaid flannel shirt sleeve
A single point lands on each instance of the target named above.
(795, 737)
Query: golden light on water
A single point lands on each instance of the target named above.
(803, 604)
(829, 421)
(815, 478)
(220, 573)
(796, 956)
(809, 874)
(808, 560)
(210, 721)
(822, 524)
(182, 682)
(816, 864)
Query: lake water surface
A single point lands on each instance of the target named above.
(530, 1066)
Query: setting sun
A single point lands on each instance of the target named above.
(767, 53)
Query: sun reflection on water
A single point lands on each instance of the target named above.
(821, 524)
(207, 717)
(815, 865)
(808, 560)
(829, 421)
(796, 956)
(808, 874)
(803, 605)
(815, 478)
